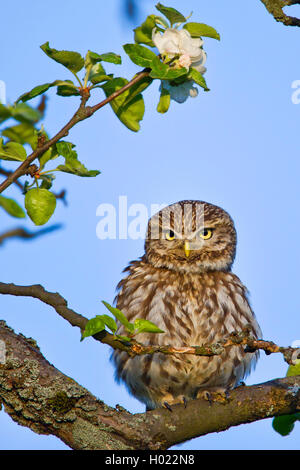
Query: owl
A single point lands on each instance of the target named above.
(184, 284)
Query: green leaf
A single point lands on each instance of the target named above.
(143, 34)
(129, 111)
(66, 149)
(174, 16)
(77, 168)
(12, 151)
(285, 424)
(137, 89)
(139, 55)
(119, 316)
(93, 58)
(109, 322)
(47, 180)
(5, 112)
(24, 133)
(164, 101)
(111, 57)
(93, 326)
(36, 91)
(97, 74)
(40, 205)
(72, 164)
(40, 89)
(73, 61)
(99, 78)
(143, 326)
(67, 88)
(197, 30)
(294, 370)
(12, 207)
(50, 154)
(198, 78)
(97, 68)
(164, 72)
(160, 21)
(123, 338)
(25, 113)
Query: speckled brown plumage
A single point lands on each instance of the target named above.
(184, 285)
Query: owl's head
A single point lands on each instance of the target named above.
(191, 236)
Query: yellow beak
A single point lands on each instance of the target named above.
(187, 249)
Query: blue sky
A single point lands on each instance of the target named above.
(236, 146)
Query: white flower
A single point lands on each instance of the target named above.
(180, 93)
(173, 42)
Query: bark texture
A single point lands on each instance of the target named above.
(275, 8)
(37, 395)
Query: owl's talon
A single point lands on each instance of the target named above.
(207, 396)
(204, 395)
(168, 406)
(224, 395)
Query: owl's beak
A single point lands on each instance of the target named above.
(187, 249)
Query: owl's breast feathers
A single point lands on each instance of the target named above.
(192, 309)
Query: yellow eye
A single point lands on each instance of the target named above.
(206, 233)
(170, 235)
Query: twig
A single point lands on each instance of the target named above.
(82, 113)
(61, 195)
(133, 347)
(275, 8)
(42, 104)
(292, 2)
(25, 234)
(8, 173)
(54, 299)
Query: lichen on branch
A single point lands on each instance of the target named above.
(37, 395)
(275, 8)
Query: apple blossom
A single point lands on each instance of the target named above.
(180, 43)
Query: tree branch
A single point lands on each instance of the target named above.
(37, 395)
(275, 8)
(82, 113)
(7, 173)
(25, 234)
(133, 347)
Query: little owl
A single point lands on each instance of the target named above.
(184, 284)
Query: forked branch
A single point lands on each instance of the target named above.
(24, 234)
(82, 113)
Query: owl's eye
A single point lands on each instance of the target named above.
(206, 233)
(170, 235)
